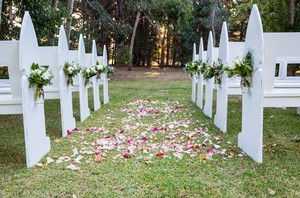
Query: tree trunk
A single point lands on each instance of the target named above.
(168, 46)
(54, 4)
(162, 55)
(174, 52)
(242, 31)
(51, 32)
(212, 16)
(137, 19)
(69, 22)
(292, 8)
(1, 2)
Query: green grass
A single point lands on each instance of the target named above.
(164, 177)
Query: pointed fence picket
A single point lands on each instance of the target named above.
(193, 76)
(96, 94)
(220, 119)
(199, 96)
(66, 101)
(83, 89)
(104, 77)
(208, 104)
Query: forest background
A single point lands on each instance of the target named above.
(144, 32)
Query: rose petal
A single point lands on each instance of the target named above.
(49, 160)
(160, 154)
(72, 167)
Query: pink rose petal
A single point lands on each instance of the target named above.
(144, 139)
(160, 154)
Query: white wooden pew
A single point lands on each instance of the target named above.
(18, 56)
(266, 48)
(232, 86)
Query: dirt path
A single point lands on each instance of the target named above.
(139, 73)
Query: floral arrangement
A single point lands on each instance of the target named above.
(100, 69)
(109, 70)
(192, 67)
(215, 70)
(203, 67)
(71, 70)
(39, 76)
(89, 72)
(242, 67)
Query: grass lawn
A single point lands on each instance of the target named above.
(160, 146)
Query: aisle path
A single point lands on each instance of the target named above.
(144, 130)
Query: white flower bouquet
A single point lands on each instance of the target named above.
(89, 72)
(39, 77)
(100, 69)
(71, 70)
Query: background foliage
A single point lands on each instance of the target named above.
(165, 31)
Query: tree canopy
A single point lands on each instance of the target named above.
(147, 31)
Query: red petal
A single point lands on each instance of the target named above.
(160, 154)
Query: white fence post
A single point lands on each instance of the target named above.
(96, 94)
(66, 103)
(208, 105)
(200, 77)
(83, 90)
(36, 141)
(220, 119)
(193, 76)
(104, 77)
(251, 137)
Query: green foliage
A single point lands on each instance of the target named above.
(111, 23)
(46, 20)
(123, 56)
(4, 72)
(274, 15)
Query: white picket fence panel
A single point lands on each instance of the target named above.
(18, 56)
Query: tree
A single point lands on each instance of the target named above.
(70, 7)
(1, 2)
